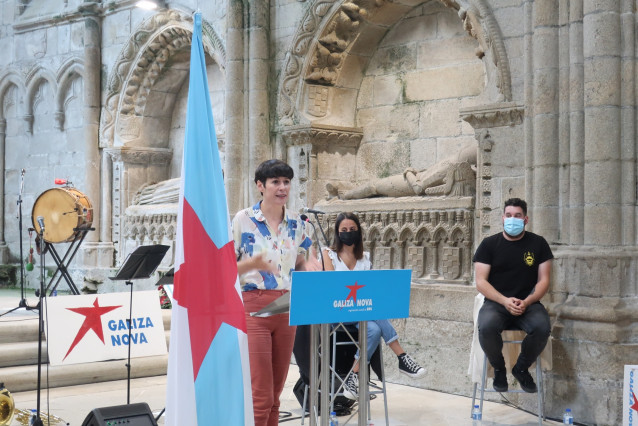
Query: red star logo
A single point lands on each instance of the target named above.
(353, 291)
(92, 321)
(635, 404)
(205, 286)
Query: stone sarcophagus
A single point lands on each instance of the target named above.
(432, 236)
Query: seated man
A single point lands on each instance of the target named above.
(512, 271)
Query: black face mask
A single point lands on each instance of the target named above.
(349, 238)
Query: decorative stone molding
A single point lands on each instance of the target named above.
(328, 30)
(321, 137)
(150, 156)
(479, 22)
(140, 63)
(482, 118)
(484, 177)
(289, 85)
(335, 39)
(146, 226)
(431, 236)
(495, 115)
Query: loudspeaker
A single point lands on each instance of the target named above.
(139, 414)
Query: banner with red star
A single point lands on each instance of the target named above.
(91, 328)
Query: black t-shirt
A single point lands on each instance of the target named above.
(514, 264)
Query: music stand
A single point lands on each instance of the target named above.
(167, 278)
(280, 305)
(139, 264)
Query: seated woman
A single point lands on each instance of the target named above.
(346, 254)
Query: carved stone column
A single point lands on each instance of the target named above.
(324, 153)
(602, 82)
(4, 249)
(542, 151)
(260, 148)
(132, 168)
(235, 160)
(485, 119)
(93, 253)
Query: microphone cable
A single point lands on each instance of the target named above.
(314, 228)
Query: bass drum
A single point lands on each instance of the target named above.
(63, 210)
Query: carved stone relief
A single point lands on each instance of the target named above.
(139, 65)
(124, 180)
(326, 35)
(431, 236)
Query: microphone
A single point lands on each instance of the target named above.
(40, 220)
(304, 218)
(313, 211)
(59, 181)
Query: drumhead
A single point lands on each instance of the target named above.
(63, 210)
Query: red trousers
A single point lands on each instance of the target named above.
(270, 342)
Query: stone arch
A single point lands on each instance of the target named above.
(11, 79)
(138, 67)
(422, 235)
(330, 33)
(34, 81)
(406, 233)
(67, 74)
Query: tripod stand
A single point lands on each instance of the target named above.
(139, 264)
(23, 301)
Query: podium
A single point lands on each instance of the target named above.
(320, 299)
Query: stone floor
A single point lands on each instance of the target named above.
(407, 405)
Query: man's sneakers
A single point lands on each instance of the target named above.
(525, 379)
(351, 386)
(409, 367)
(500, 380)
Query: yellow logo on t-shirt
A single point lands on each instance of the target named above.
(528, 257)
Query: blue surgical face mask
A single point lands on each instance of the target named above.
(513, 226)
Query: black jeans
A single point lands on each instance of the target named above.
(493, 318)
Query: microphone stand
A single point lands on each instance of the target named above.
(325, 239)
(324, 337)
(23, 300)
(38, 421)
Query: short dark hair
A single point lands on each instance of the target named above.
(337, 244)
(516, 202)
(272, 169)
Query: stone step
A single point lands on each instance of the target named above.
(19, 329)
(25, 377)
(19, 359)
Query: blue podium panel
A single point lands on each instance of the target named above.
(345, 296)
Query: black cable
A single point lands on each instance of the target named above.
(314, 228)
(289, 419)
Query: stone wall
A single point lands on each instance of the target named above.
(347, 92)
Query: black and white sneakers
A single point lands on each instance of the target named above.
(351, 386)
(409, 367)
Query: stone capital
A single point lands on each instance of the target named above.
(322, 137)
(494, 115)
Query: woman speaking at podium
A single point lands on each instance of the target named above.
(270, 243)
(346, 254)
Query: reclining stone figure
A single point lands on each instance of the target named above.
(453, 175)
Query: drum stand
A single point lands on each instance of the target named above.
(62, 262)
